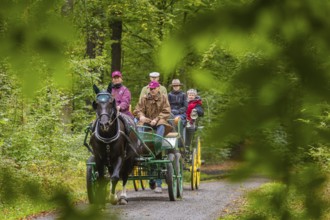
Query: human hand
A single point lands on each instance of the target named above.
(153, 122)
(194, 114)
(175, 112)
(143, 119)
(118, 108)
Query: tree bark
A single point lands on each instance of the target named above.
(91, 45)
(116, 26)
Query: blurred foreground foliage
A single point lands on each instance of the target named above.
(282, 114)
(261, 68)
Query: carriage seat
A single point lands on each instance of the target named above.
(172, 139)
(172, 135)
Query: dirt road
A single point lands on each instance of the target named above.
(206, 203)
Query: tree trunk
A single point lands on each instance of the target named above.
(95, 43)
(116, 28)
(91, 45)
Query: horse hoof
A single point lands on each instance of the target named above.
(123, 201)
(113, 199)
(113, 202)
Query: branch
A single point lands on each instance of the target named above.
(148, 42)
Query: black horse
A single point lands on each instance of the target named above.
(114, 146)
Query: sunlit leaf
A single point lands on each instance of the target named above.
(170, 55)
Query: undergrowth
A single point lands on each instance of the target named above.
(258, 204)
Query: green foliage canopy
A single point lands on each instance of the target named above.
(284, 73)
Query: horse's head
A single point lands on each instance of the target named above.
(105, 107)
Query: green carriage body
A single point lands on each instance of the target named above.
(159, 160)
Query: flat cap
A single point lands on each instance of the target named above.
(154, 74)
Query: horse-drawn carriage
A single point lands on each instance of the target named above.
(187, 148)
(136, 153)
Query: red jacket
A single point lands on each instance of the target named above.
(197, 104)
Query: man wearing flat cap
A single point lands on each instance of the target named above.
(154, 76)
(178, 100)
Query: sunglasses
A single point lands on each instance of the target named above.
(152, 89)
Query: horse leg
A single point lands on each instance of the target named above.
(113, 196)
(101, 183)
(114, 181)
(123, 195)
(126, 170)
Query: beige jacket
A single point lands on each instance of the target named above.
(157, 108)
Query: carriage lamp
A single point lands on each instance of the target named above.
(194, 114)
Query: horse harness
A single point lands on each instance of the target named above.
(107, 141)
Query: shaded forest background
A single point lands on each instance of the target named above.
(262, 69)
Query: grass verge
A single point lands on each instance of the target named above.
(259, 203)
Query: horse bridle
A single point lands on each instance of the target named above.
(110, 116)
(112, 139)
(106, 140)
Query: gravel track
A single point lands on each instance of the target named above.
(208, 202)
(204, 203)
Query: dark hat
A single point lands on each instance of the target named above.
(176, 82)
(153, 84)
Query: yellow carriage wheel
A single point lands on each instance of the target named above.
(198, 164)
(138, 171)
(143, 181)
(136, 183)
(193, 169)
